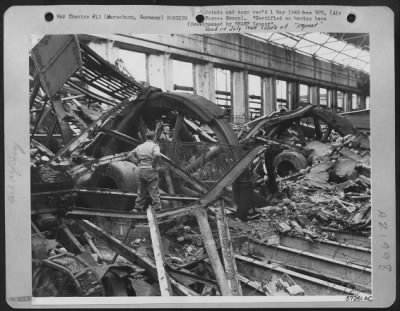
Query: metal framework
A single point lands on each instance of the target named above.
(350, 50)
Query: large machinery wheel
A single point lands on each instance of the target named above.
(194, 121)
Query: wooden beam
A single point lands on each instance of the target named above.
(163, 277)
(212, 252)
(227, 252)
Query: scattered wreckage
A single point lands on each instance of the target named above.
(277, 206)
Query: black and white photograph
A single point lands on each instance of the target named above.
(177, 164)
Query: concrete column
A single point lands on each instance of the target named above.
(268, 95)
(314, 95)
(159, 71)
(332, 99)
(292, 94)
(346, 102)
(240, 102)
(204, 80)
(362, 99)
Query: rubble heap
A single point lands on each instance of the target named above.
(332, 193)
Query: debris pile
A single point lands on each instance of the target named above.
(333, 192)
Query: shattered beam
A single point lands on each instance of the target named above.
(227, 252)
(212, 252)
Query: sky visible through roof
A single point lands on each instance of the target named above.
(323, 46)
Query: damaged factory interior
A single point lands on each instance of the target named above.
(263, 172)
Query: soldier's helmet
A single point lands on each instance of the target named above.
(150, 135)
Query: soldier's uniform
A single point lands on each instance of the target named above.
(146, 156)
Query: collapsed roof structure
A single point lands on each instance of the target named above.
(229, 225)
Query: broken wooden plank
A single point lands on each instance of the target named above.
(227, 252)
(163, 277)
(212, 252)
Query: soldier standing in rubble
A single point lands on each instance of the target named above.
(146, 156)
(269, 155)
